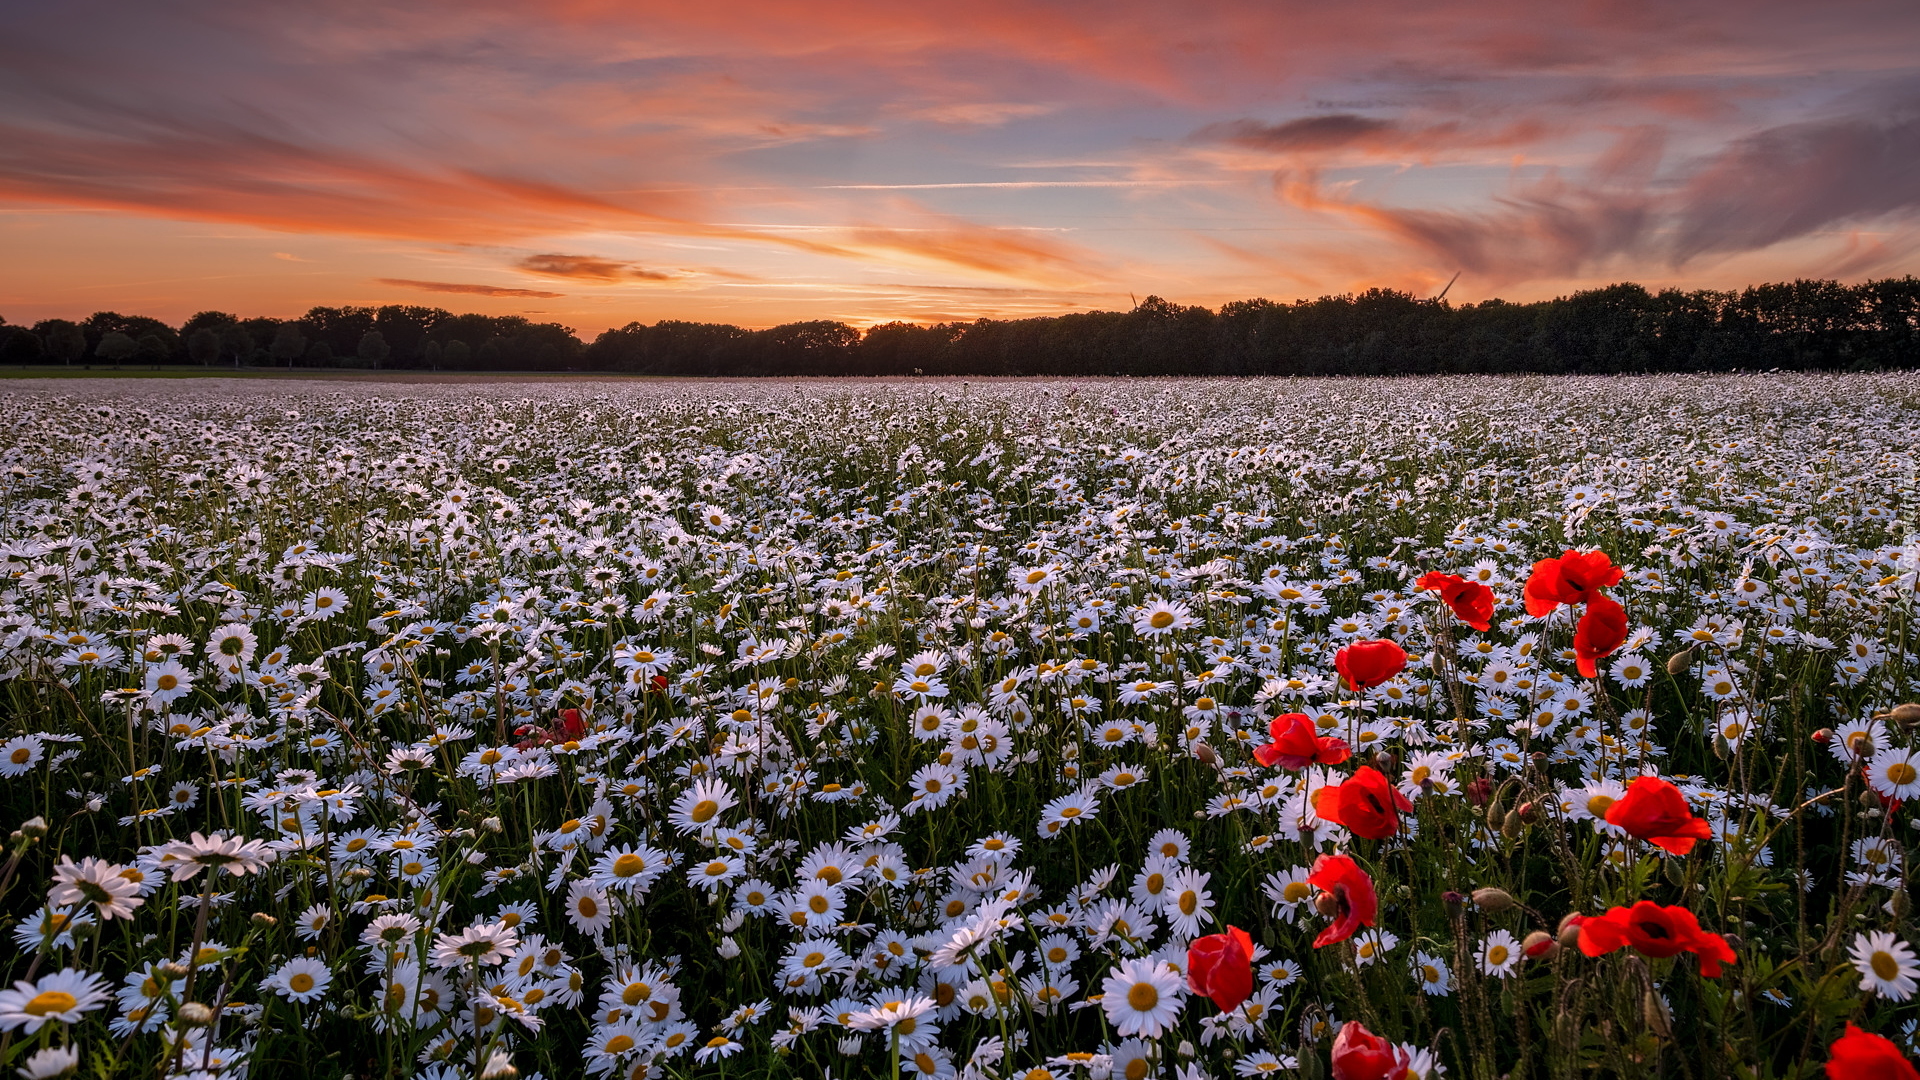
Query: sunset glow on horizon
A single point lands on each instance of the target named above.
(594, 163)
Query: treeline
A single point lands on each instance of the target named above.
(395, 336)
(1620, 328)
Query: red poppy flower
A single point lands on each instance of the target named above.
(1367, 805)
(658, 684)
(1600, 631)
(1472, 602)
(1359, 1054)
(1367, 664)
(1655, 811)
(1573, 578)
(569, 726)
(1220, 967)
(1655, 931)
(1355, 902)
(1297, 743)
(1862, 1055)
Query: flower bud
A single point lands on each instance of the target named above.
(1655, 1011)
(1906, 715)
(492, 825)
(1823, 736)
(1491, 900)
(1479, 791)
(194, 1014)
(1325, 904)
(1568, 933)
(1530, 813)
(1510, 825)
(1204, 754)
(34, 827)
(1680, 661)
(1539, 945)
(1456, 903)
(264, 921)
(173, 970)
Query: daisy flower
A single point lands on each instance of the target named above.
(1142, 997)
(1499, 955)
(1887, 965)
(301, 979)
(62, 996)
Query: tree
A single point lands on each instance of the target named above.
(431, 354)
(236, 342)
(19, 346)
(62, 340)
(116, 347)
(153, 348)
(288, 342)
(320, 354)
(373, 347)
(456, 355)
(203, 345)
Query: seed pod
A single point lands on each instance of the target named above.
(1680, 661)
(1656, 1015)
(1495, 814)
(1491, 900)
(1539, 945)
(1510, 825)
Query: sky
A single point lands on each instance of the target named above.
(594, 162)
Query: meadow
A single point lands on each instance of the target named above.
(1367, 729)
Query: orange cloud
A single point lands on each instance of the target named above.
(588, 267)
(472, 290)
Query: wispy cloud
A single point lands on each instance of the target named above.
(470, 290)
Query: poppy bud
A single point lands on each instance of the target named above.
(1456, 903)
(1539, 945)
(1656, 1015)
(1205, 754)
(1510, 825)
(1495, 814)
(1679, 661)
(1479, 791)
(1869, 798)
(1325, 904)
(264, 920)
(1860, 744)
(1823, 736)
(1492, 900)
(194, 1014)
(1568, 933)
(1901, 904)
(1530, 813)
(1907, 715)
(174, 970)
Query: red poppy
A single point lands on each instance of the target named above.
(658, 684)
(1472, 602)
(1600, 631)
(1297, 743)
(1862, 1055)
(1367, 664)
(1655, 931)
(1573, 578)
(1359, 1054)
(1220, 967)
(1367, 805)
(1655, 811)
(569, 726)
(1355, 902)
